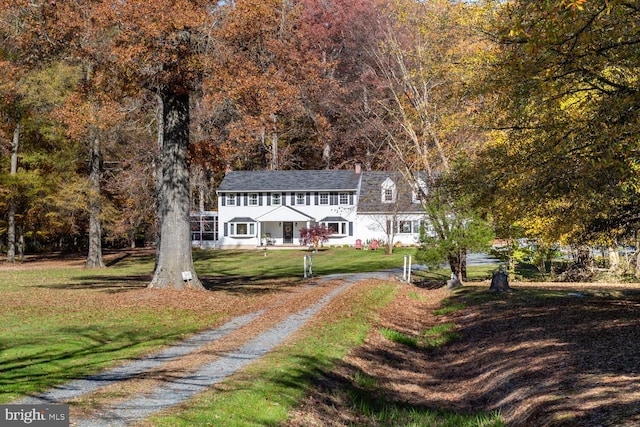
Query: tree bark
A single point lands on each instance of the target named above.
(174, 267)
(500, 282)
(614, 258)
(11, 220)
(158, 176)
(94, 257)
(463, 264)
(455, 262)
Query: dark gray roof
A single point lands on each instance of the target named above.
(333, 219)
(370, 200)
(242, 219)
(298, 180)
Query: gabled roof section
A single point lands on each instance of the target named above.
(333, 219)
(373, 182)
(242, 219)
(294, 181)
(284, 213)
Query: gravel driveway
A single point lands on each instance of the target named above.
(181, 388)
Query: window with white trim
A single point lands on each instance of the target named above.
(343, 198)
(405, 226)
(301, 199)
(337, 228)
(242, 229)
(324, 198)
(252, 199)
(276, 198)
(231, 199)
(388, 191)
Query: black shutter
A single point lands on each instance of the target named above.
(226, 233)
(293, 199)
(308, 199)
(246, 199)
(315, 197)
(268, 199)
(351, 229)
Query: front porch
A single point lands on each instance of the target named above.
(280, 228)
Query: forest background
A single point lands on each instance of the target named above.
(120, 117)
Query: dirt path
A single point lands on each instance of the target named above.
(132, 392)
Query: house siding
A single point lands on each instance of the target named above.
(322, 191)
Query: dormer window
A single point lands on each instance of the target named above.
(388, 191)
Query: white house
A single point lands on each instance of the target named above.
(257, 208)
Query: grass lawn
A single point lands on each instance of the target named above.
(61, 321)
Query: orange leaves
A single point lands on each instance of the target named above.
(154, 43)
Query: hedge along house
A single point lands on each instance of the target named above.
(269, 208)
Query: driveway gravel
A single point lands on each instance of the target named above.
(177, 390)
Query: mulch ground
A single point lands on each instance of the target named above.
(570, 361)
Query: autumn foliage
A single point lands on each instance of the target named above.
(315, 235)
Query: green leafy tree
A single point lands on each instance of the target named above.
(424, 109)
(450, 237)
(563, 161)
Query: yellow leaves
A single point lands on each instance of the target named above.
(574, 4)
(49, 86)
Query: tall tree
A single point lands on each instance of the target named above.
(162, 46)
(264, 96)
(564, 157)
(89, 115)
(424, 107)
(51, 29)
(11, 112)
(345, 35)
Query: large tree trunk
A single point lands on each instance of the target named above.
(614, 258)
(174, 267)
(94, 257)
(455, 262)
(463, 265)
(158, 172)
(11, 220)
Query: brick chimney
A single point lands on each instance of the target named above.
(358, 168)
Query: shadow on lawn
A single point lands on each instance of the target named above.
(108, 284)
(91, 351)
(542, 359)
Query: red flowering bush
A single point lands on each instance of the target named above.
(315, 235)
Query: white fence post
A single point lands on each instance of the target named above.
(304, 263)
(310, 265)
(404, 268)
